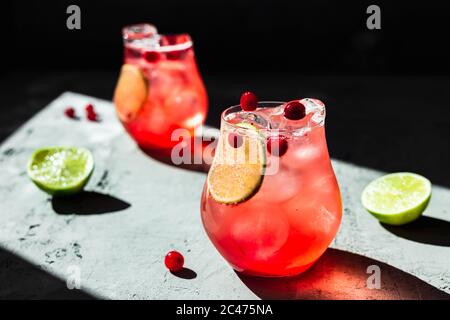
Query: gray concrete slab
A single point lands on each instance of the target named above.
(138, 209)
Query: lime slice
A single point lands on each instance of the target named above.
(130, 93)
(61, 170)
(397, 198)
(237, 173)
(246, 125)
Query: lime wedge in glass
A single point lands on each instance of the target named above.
(61, 170)
(237, 173)
(397, 198)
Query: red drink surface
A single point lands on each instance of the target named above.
(175, 97)
(291, 219)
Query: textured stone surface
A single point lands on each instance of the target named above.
(136, 209)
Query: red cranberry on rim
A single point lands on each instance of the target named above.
(70, 113)
(235, 140)
(294, 110)
(249, 102)
(277, 146)
(152, 56)
(174, 261)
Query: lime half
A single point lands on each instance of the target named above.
(397, 198)
(61, 170)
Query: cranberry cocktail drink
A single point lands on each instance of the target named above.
(271, 203)
(159, 89)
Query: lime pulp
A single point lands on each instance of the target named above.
(61, 170)
(397, 198)
(237, 173)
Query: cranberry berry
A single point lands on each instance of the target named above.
(70, 113)
(277, 146)
(92, 116)
(152, 56)
(294, 110)
(174, 261)
(90, 108)
(249, 102)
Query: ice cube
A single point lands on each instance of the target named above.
(276, 117)
(315, 108)
(184, 108)
(165, 82)
(327, 220)
(257, 118)
(312, 104)
(279, 110)
(261, 232)
(281, 185)
(307, 153)
(153, 119)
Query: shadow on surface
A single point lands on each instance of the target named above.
(20, 279)
(343, 275)
(194, 157)
(185, 273)
(88, 202)
(425, 230)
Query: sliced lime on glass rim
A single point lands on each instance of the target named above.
(61, 170)
(237, 173)
(397, 198)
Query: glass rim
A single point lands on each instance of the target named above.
(138, 31)
(272, 104)
(143, 31)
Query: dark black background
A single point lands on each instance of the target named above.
(241, 35)
(386, 91)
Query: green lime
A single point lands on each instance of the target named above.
(237, 171)
(61, 170)
(246, 125)
(397, 198)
